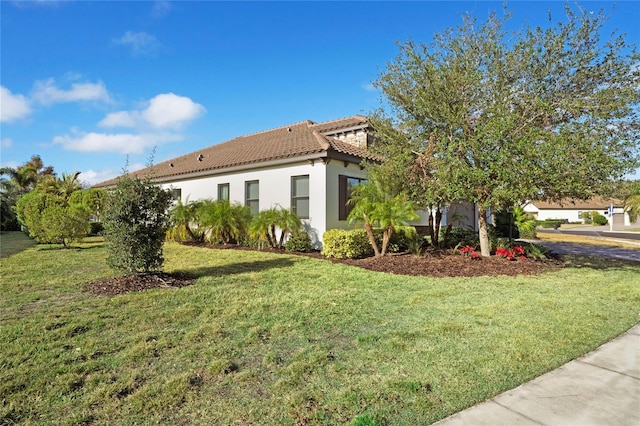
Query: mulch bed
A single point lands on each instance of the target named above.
(138, 282)
(435, 264)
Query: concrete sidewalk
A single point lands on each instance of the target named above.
(600, 388)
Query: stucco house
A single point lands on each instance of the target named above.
(309, 167)
(571, 210)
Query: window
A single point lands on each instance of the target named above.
(223, 191)
(176, 193)
(345, 187)
(300, 196)
(252, 196)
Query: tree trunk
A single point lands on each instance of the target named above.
(485, 249)
(386, 238)
(431, 233)
(274, 239)
(436, 230)
(447, 232)
(372, 238)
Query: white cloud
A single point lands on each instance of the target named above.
(91, 177)
(6, 143)
(124, 143)
(12, 107)
(161, 9)
(119, 119)
(170, 110)
(47, 92)
(165, 111)
(140, 42)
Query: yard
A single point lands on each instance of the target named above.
(263, 338)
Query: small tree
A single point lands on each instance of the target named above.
(135, 222)
(51, 219)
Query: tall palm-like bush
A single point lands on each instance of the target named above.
(376, 209)
(184, 222)
(632, 206)
(262, 226)
(267, 223)
(289, 223)
(225, 222)
(525, 222)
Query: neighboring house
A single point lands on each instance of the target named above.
(571, 210)
(308, 167)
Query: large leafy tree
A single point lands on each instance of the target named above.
(537, 114)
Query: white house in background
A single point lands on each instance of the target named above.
(308, 167)
(572, 209)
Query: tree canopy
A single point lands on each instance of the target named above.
(542, 113)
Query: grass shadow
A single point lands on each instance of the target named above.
(597, 262)
(237, 268)
(13, 242)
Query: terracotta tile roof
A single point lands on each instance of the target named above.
(340, 123)
(596, 203)
(294, 140)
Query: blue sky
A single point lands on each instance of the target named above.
(87, 84)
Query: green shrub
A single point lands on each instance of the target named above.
(534, 251)
(299, 241)
(504, 222)
(586, 218)
(346, 244)
(461, 237)
(400, 240)
(51, 219)
(354, 243)
(135, 222)
(551, 223)
(97, 228)
(598, 219)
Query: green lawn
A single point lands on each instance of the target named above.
(14, 242)
(275, 339)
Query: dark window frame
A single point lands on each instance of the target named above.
(295, 198)
(248, 201)
(220, 187)
(343, 195)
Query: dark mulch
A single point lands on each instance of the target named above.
(138, 282)
(435, 264)
(451, 265)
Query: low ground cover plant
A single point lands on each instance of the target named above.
(247, 344)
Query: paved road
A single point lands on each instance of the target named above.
(595, 231)
(592, 250)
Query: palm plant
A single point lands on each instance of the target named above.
(24, 178)
(263, 226)
(225, 222)
(288, 222)
(184, 220)
(376, 209)
(525, 222)
(632, 206)
(266, 224)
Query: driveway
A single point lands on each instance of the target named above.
(591, 250)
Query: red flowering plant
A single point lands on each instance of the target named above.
(470, 251)
(516, 252)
